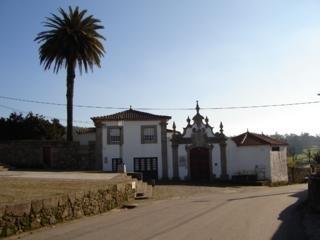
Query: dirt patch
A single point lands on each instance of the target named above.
(183, 191)
(165, 192)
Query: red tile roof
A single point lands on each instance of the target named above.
(252, 139)
(131, 115)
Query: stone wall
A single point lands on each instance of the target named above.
(38, 213)
(48, 154)
(298, 175)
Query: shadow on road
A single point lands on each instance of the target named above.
(291, 227)
(217, 183)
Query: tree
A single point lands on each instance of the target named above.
(18, 127)
(71, 40)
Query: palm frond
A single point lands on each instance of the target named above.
(71, 38)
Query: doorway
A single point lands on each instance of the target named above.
(199, 164)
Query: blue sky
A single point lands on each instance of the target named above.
(169, 54)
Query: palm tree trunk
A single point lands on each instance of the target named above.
(70, 84)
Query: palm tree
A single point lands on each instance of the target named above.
(71, 40)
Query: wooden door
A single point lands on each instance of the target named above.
(199, 164)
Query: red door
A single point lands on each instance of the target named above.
(199, 164)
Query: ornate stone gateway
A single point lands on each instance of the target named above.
(198, 140)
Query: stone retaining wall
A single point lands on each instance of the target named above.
(48, 154)
(38, 213)
(298, 174)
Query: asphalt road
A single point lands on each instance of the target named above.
(228, 213)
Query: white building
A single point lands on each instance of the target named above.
(143, 143)
(137, 139)
(85, 136)
(258, 154)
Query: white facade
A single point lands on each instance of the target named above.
(259, 159)
(132, 146)
(249, 160)
(176, 153)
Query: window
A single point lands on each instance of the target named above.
(116, 162)
(275, 149)
(148, 134)
(147, 166)
(115, 135)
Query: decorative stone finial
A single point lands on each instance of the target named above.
(130, 107)
(247, 130)
(198, 118)
(188, 121)
(197, 107)
(221, 128)
(207, 120)
(174, 127)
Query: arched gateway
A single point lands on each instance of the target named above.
(199, 140)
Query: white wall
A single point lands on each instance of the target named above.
(269, 165)
(248, 159)
(132, 146)
(84, 138)
(279, 169)
(258, 160)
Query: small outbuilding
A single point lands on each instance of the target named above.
(257, 154)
